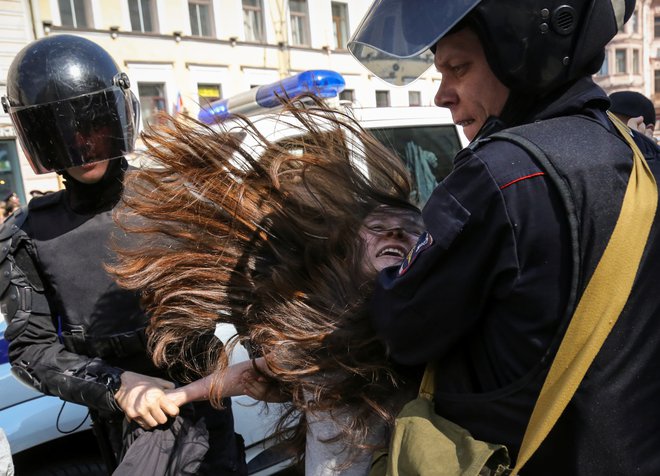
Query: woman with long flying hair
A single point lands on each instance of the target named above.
(283, 240)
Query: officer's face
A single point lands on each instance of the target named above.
(469, 88)
(88, 173)
(387, 234)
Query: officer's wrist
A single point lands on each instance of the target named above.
(114, 381)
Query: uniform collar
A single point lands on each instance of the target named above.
(574, 99)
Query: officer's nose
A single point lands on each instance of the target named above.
(445, 97)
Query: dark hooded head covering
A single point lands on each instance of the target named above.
(633, 104)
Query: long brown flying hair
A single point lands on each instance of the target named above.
(233, 227)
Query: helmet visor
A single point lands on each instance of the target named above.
(394, 37)
(77, 131)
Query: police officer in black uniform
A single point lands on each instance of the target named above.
(73, 332)
(515, 231)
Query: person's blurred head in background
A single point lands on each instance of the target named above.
(627, 105)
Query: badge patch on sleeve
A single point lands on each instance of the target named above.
(425, 240)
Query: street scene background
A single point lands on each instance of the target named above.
(182, 54)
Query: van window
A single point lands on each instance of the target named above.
(427, 151)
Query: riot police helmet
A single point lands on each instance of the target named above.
(70, 104)
(532, 46)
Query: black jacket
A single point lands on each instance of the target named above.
(78, 330)
(489, 295)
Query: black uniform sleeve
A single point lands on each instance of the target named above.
(493, 228)
(37, 356)
(436, 297)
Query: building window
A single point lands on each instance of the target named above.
(656, 81)
(340, 25)
(208, 93)
(347, 95)
(299, 22)
(152, 101)
(635, 61)
(75, 13)
(201, 15)
(143, 15)
(604, 68)
(634, 22)
(382, 98)
(253, 21)
(11, 180)
(656, 26)
(620, 58)
(414, 98)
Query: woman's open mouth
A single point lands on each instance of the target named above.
(393, 251)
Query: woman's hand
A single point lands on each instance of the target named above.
(265, 390)
(260, 386)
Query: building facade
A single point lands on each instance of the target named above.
(632, 58)
(16, 31)
(653, 59)
(180, 54)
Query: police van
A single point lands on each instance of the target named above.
(54, 435)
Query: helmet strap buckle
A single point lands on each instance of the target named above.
(121, 80)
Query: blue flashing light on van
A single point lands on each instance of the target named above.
(323, 83)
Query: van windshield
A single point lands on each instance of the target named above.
(427, 151)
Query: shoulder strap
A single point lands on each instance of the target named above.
(601, 303)
(599, 307)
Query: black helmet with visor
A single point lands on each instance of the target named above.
(70, 104)
(532, 46)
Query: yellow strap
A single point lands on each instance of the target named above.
(600, 305)
(427, 387)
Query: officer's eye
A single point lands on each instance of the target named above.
(459, 69)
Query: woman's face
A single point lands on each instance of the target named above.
(388, 234)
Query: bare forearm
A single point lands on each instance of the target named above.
(231, 385)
